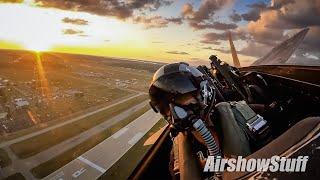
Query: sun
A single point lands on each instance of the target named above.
(37, 46)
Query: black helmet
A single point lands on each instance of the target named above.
(175, 82)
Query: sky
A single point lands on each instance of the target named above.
(160, 30)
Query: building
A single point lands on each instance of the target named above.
(6, 82)
(4, 122)
(75, 93)
(21, 103)
(3, 117)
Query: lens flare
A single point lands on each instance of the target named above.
(43, 85)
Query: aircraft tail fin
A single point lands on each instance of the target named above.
(236, 61)
(283, 51)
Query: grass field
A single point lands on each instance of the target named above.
(4, 159)
(122, 169)
(36, 144)
(57, 162)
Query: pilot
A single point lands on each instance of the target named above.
(183, 88)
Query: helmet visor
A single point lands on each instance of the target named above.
(175, 83)
(159, 101)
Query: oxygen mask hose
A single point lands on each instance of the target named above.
(210, 142)
(207, 137)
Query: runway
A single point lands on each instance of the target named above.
(36, 133)
(99, 159)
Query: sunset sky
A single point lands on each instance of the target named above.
(159, 30)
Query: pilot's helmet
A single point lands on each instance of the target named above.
(179, 87)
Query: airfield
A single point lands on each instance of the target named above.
(73, 116)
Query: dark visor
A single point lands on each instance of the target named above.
(175, 84)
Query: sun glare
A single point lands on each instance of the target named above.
(37, 46)
(41, 76)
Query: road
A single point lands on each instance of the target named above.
(8, 143)
(23, 165)
(99, 159)
(74, 141)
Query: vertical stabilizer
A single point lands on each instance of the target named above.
(283, 51)
(236, 62)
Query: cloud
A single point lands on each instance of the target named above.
(152, 22)
(296, 15)
(157, 42)
(117, 8)
(71, 31)
(187, 10)
(177, 52)
(224, 26)
(254, 13)
(255, 49)
(212, 38)
(311, 44)
(215, 25)
(304, 59)
(216, 42)
(208, 48)
(174, 20)
(251, 16)
(83, 35)
(213, 42)
(148, 4)
(270, 28)
(277, 4)
(225, 51)
(205, 11)
(288, 14)
(235, 17)
(271, 24)
(259, 5)
(75, 21)
(202, 18)
(261, 33)
(156, 21)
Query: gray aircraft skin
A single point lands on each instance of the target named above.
(282, 52)
(279, 54)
